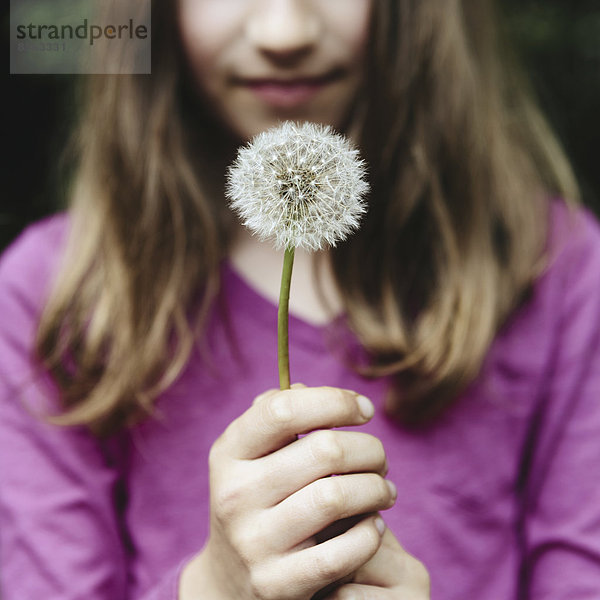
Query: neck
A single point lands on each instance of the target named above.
(314, 296)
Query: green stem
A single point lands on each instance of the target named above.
(283, 350)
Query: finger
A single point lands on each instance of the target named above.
(316, 567)
(318, 455)
(264, 395)
(268, 393)
(326, 592)
(279, 416)
(314, 507)
(333, 530)
(352, 591)
(297, 386)
(386, 568)
(393, 566)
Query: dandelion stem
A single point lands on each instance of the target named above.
(283, 351)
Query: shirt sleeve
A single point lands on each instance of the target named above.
(561, 523)
(61, 537)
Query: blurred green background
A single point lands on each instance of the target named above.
(558, 41)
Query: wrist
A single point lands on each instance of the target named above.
(194, 582)
(204, 578)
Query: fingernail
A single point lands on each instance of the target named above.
(392, 488)
(365, 406)
(380, 525)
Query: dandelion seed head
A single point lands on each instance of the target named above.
(300, 185)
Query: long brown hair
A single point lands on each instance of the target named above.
(461, 164)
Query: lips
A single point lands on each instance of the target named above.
(288, 92)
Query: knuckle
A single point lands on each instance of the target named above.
(344, 401)
(326, 568)
(227, 500)
(258, 584)
(327, 449)
(261, 397)
(263, 584)
(328, 498)
(379, 449)
(222, 446)
(246, 543)
(372, 540)
(279, 410)
(214, 454)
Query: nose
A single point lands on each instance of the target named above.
(283, 30)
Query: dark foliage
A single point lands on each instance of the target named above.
(558, 41)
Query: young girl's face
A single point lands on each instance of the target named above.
(259, 62)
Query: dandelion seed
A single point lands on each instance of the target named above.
(296, 164)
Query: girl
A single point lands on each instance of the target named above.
(138, 328)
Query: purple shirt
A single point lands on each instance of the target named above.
(500, 498)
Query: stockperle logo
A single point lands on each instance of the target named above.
(80, 36)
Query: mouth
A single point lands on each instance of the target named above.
(288, 92)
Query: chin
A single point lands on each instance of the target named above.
(253, 124)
